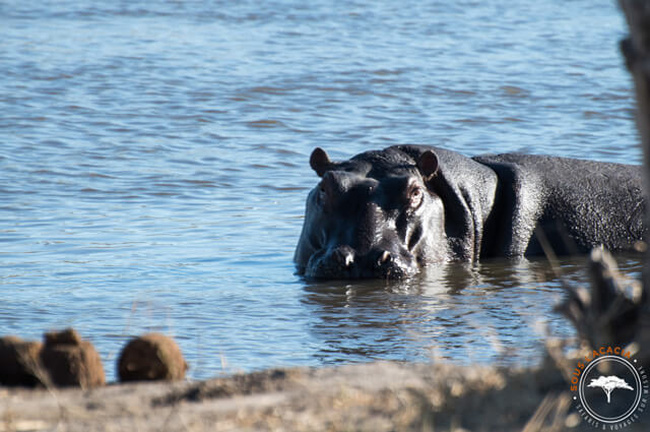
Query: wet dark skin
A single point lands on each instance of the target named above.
(389, 213)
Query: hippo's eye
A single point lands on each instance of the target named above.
(415, 197)
(322, 195)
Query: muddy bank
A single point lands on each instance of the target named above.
(368, 397)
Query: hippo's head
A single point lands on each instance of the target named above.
(373, 216)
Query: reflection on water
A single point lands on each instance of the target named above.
(489, 312)
(154, 166)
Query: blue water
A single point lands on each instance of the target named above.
(153, 167)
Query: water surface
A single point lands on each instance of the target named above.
(153, 166)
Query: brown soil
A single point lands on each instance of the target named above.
(71, 361)
(151, 357)
(18, 360)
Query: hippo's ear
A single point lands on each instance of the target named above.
(320, 161)
(428, 165)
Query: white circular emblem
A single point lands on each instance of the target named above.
(611, 390)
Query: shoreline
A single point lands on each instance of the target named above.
(379, 396)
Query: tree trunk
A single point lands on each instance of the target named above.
(636, 49)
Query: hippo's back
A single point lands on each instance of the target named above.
(577, 204)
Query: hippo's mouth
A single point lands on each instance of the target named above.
(343, 263)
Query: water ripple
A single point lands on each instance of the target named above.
(155, 165)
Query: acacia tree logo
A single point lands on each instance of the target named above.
(609, 369)
(609, 384)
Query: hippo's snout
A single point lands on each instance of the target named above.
(344, 262)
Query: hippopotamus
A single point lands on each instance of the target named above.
(391, 212)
